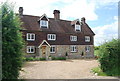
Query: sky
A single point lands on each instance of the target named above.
(101, 15)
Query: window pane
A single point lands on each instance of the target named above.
(32, 36)
(28, 35)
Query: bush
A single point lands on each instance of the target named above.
(98, 71)
(29, 59)
(34, 59)
(108, 57)
(12, 43)
(58, 58)
(42, 59)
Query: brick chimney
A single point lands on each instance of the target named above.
(56, 14)
(20, 11)
(83, 20)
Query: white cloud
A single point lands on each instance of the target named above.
(69, 9)
(106, 32)
(78, 9)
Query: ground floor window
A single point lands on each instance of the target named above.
(30, 49)
(52, 49)
(73, 48)
(87, 48)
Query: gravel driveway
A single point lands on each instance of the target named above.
(69, 69)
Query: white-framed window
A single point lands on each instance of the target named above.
(30, 49)
(43, 24)
(87, 48)
(31, 36)
(77, 27)
(52, 49)
(87, 38)
(73, 38)
(73, 48)
(51, 36)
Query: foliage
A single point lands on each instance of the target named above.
(42, 59)
(66, 54)
(58, 58)
(12, 43)
(96, 47)
(98, 71)
(108, 57)
(34, 59)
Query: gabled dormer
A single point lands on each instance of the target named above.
(77, 25)
(44, 21)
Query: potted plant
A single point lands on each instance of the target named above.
(50, 57)
(82, 54)
(66, 55)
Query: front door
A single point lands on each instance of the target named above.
(44, 51)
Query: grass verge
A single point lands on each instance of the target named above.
(98, 71)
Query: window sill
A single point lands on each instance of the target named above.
(52, 52)
(30, 40)
(87, 41)
(30, 52)
(73, 51)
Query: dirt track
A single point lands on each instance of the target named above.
(70, 69)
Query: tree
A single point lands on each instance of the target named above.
(12, 42)
(109, 54)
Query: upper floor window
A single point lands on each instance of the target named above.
(87, 38)
(44, 24)
(87, 48)
(73, 38)
(31, 36)
(30, 49)
(77, 28)
(52, 49)
(73, 48)
(51, 37)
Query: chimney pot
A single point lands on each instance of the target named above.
(56, 14)
(20, 11)
(83, 20)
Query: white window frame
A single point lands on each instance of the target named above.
(73, 38)
(87, 38)
(77, 27)
(30, 38)
(73, 48)
(30, 48)
(53, 48)
(43, 23)
(51, 36)
(87, 48)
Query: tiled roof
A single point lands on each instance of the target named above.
(31, 23)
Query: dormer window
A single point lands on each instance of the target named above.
(44, 24)
(77, 28)
(43, 21)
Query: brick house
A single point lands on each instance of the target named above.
(56, 37)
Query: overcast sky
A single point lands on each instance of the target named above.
(101, 15)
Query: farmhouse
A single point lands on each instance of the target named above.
(56, 37)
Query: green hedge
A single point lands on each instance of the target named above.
(34, 59)
(58, 58)
(109, 54)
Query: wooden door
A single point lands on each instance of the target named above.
(43, 51)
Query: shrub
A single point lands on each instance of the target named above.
(42, 59)
(98, 71)
(58, 58)
(108, 57)
(29, 59)
(12, 42)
